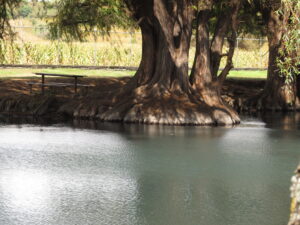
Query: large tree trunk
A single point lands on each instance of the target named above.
(160, 92)
(204, 77)
(278, 94)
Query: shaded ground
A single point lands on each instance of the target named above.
(15, 97)
(102, 86)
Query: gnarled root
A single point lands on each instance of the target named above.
(159, 105)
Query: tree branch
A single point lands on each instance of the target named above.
(218, 42)
(235, 5)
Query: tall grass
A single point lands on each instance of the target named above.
(102, 54)
(62, 53)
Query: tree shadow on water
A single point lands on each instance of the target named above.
(282, 120)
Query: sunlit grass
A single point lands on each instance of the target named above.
(25, 73)
(256, 74)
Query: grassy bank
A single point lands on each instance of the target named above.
(26, 72)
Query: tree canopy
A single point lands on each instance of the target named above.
(77, 18)
(6, 12)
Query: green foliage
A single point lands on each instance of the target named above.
(78, 18)
(251, 20)
(289, 60)
(25, 10)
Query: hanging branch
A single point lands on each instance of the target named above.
(235, 5)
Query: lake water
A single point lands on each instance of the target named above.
(102, 173)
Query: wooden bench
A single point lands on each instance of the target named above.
(43, 84)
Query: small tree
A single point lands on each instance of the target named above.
(281, 18)
(289, 55)
(76, 19)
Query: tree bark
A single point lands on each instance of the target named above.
(208, 56)
(298, 85)
(201, 75)
(218, 42)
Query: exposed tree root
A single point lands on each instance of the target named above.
(159, 105)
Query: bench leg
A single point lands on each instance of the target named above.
(30, 89)
(43, 82)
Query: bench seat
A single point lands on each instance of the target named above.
(53, 84)
(58, 84)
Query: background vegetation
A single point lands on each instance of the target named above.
(34, 46)
(116, 50)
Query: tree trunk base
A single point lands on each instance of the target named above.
(264, 102)
(159, 105)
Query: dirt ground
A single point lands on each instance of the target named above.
(104, 87)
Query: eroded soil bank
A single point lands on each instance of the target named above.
(16, 99)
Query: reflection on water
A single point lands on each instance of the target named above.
(104, 173)
(25, 189)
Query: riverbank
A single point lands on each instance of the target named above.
(16, 99)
